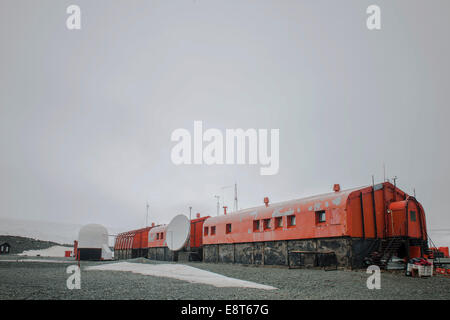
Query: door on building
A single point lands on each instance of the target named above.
(404, 219)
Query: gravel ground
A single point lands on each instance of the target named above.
(42, 280)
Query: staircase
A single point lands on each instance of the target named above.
(386, 250)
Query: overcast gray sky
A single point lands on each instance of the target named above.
(86, 115)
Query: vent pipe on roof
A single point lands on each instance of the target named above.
(225, 210)
(153, 224)
(337, 187)
(266, 201)
(198, 215)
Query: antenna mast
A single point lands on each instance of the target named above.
(146, 217)
(218, 205)
(235, 198)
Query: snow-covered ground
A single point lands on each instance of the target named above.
(55, 251)
(180, 272)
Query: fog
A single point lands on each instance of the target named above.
(87, 115)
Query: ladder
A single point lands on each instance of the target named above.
(387, 248)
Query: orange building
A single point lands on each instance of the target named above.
(132, 244)
(367, 222)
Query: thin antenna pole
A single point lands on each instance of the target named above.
(395, 181)
(146, 217)
(190, 226)
(384, 172)
(218, 204)
(235, 198)
(373, 181)
(395, 187)
(414, 190)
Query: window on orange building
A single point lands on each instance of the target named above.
(320, 216)
(162, 235)
(205, 232)
(213, 230)
(157, 236)
(256, 225)
(228, 228)
(278, 222)
(291, 220)
(266, 224)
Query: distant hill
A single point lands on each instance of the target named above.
(56, 232)
(42, 230)
(20, 244)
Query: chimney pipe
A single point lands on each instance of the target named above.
(337, 187)
(198, 215)
(266, 201)
(225, 210)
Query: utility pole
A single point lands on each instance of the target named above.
(218, 204)
(190, 226)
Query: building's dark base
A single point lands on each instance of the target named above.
(89, 254)
(160, 253)
(349, 252)
(277, 252)
(130, 253)
(163, 254)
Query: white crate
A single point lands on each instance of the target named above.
(426, 271)
(423, 271)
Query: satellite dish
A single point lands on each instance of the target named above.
(177, 232)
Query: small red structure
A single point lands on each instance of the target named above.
(444, 250)
(75, 249)
(132, 244)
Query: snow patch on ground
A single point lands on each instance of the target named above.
(55, 251)
(180, 272)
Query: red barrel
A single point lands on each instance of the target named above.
(414, 252)
(444, 250)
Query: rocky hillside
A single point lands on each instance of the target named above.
(20, 244)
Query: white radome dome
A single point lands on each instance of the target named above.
(92, 236)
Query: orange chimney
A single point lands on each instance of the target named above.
(153, 224)
(266, 201)
(225, 210)
(337, 187)
(198, 215)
